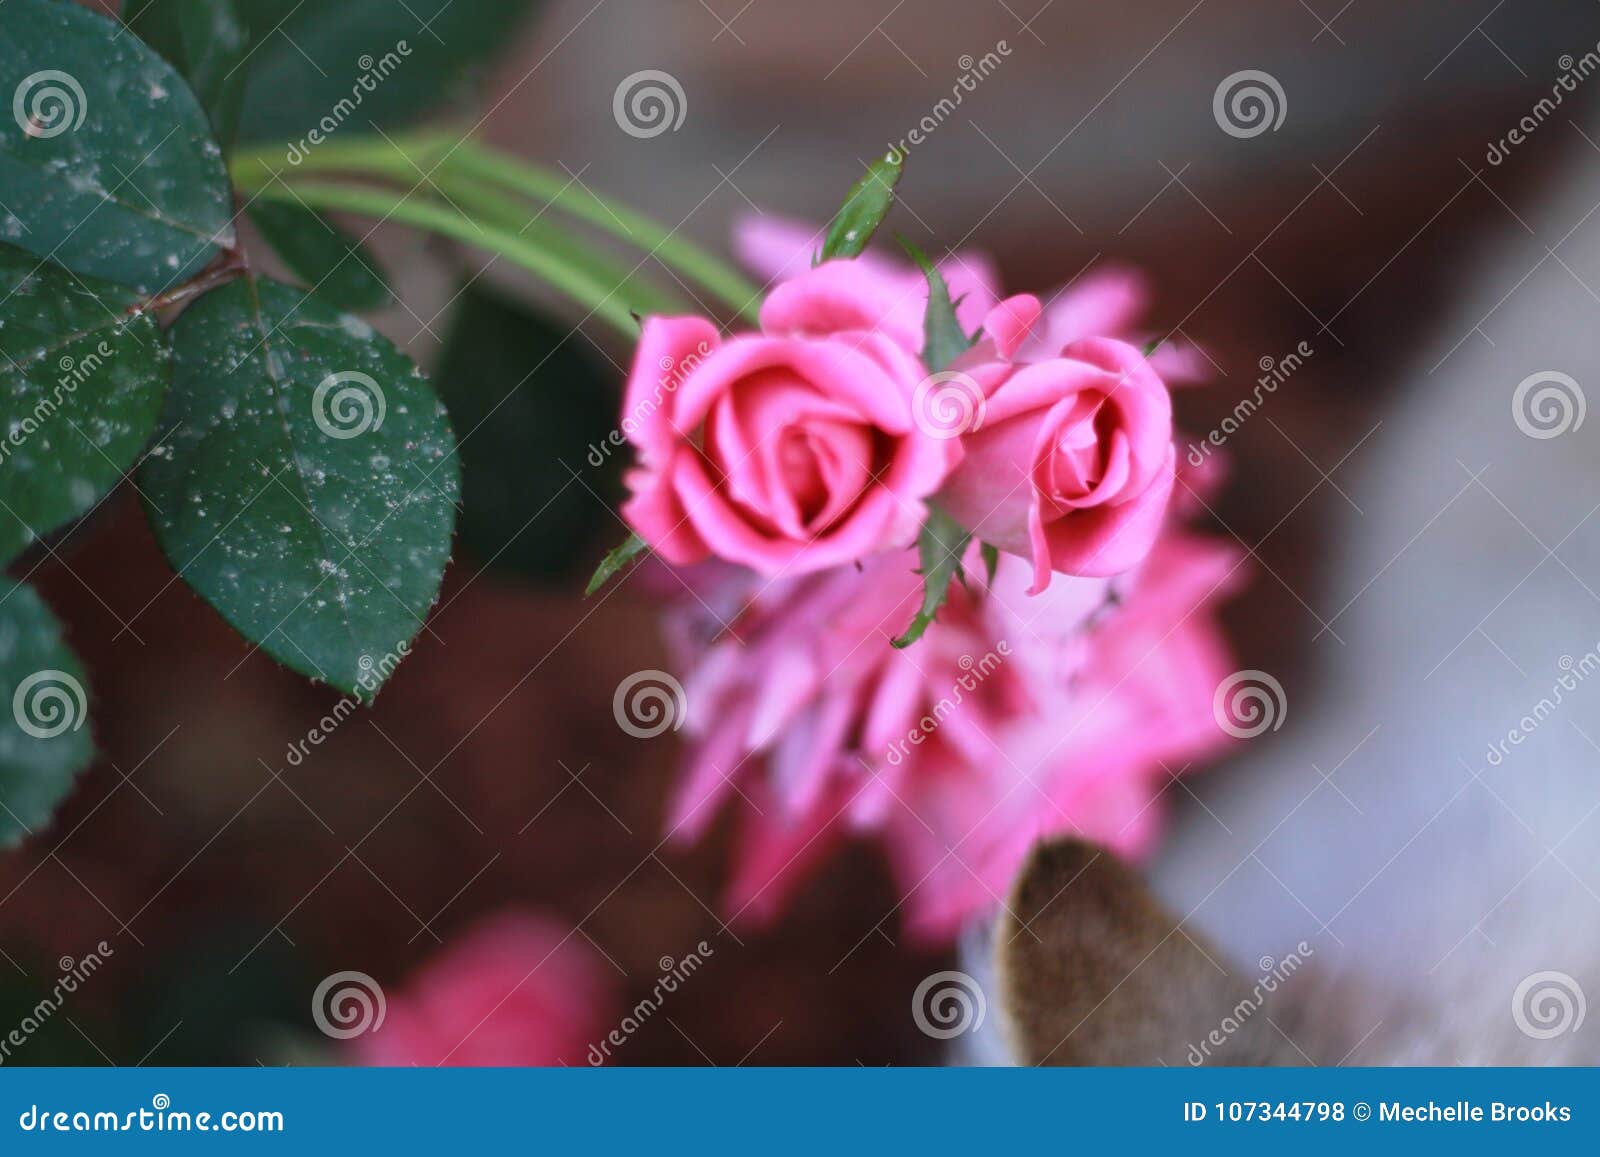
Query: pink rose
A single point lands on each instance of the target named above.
(792, 450)
(1068, 460)
(512, 990)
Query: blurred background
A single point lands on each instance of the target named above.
(491, 772)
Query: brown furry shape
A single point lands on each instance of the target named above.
(1095, 972)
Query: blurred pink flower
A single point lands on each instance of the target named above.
(514, 989)
(1013, 718)
(804, 677)
(1139, 714)
(1108, 301)
(780, 250)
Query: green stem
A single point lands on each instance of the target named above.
(572, 280)
(731, 286)
(507, 213)
(406, 158)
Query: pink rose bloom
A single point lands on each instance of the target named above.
(1010, 720)
(1068, 460)
(792, 450)
(514, 989)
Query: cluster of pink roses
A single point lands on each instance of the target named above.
(786, 472)
(820, 440)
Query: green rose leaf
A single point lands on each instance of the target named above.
(308, 488)
(991, 560)
(943, 338)
(534, 408)
(616, 558)
(81, 383)
(863, 210)
(108, 165)
(207, 43)
(334, 265)
(941, 547)
(44, 733)
(352, 65)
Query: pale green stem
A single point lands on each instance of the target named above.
(406, 158)
(572, 280)
(509, 214)
(517, 175)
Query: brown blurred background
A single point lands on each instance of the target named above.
(491, 771)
